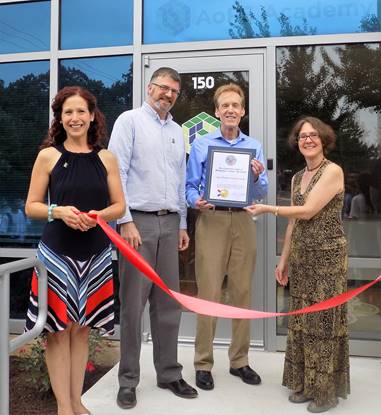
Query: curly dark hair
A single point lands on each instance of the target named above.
(97, 133)
(326, 133)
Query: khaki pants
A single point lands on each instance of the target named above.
(225, 245)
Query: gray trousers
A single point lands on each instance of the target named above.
(160, 237)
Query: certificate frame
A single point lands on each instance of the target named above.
(241, 180)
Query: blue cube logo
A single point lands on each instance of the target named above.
(174, 17)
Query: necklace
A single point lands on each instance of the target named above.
(315, 168)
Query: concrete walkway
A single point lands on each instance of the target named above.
(231, 396)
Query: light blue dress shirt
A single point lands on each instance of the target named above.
(151, 156)
(196, 168)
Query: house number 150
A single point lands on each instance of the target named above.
(201, 82)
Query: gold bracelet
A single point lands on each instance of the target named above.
(276, 211)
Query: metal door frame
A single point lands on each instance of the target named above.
(253, 61)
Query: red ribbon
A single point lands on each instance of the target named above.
(210, 308)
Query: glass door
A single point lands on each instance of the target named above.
(201, 74)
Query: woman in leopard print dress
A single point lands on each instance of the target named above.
(314, 262)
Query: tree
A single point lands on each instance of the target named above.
(370, 23)
(112, 100)
(247, 25)
(309, 84)
(329, 82)
(359, 72)
(24, 121)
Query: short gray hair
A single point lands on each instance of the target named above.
(165, 71)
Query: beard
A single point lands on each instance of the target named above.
(162, 105)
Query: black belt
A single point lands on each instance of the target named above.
(161, 212)
(228, 209)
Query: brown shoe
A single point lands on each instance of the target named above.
(317, 409)
(298, 397)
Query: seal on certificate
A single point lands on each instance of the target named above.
(224, 193)
(230, 160)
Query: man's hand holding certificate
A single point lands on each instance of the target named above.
(229, 176)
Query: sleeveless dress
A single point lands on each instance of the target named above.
(317, 352)
(79, 264)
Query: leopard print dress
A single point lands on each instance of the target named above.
(317, 355)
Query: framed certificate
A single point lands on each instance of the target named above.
(229, 177)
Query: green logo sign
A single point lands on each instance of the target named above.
(198, 126)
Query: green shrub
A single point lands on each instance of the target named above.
(33, 363)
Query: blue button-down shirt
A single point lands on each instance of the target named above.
(196, 168)
(151, 156)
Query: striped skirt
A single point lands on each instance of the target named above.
(78, 291)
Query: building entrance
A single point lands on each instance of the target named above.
(201, 75)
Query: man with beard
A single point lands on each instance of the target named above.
(150, 148)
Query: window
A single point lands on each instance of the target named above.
(179, 21)
(96, 23)
(24, 118)
(341, 85)
(108, 78)
(25, 27)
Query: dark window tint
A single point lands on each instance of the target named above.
(341, 85)
(96, 23)
(24, 118)
(19, 290)
(25, 27)
(108, 78)
(183, 21)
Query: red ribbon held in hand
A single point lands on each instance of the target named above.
(210, 308)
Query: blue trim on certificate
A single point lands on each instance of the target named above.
(208, 178)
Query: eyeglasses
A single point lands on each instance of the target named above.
(166, 89)
(303, 136)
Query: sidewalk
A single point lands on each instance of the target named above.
(231, 396)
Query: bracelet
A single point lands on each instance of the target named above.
(276, 211)
(50, 212)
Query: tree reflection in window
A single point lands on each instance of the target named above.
(247, 24)
(113, 89)
(24, 120)
(339, 84)
(24, 117)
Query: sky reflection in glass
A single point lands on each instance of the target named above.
(178, 21)
(25, 27)
(96, 23)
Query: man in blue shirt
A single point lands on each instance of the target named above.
(150, 148)
(225, 240)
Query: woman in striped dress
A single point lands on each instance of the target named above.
(80, 176)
